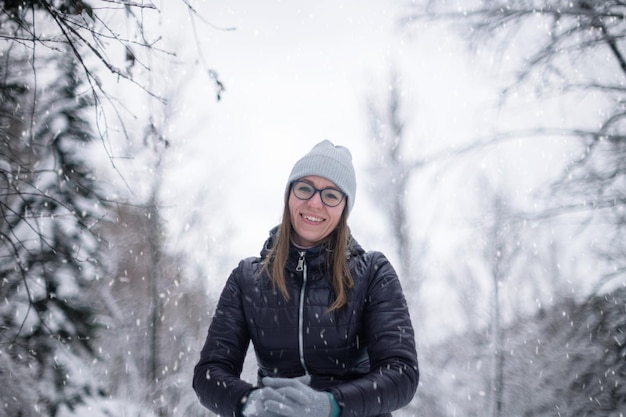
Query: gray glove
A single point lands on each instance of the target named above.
(254, 405)
(298, 398)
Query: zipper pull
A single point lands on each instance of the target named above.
(300, 266)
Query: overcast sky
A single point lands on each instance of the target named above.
(297, 72)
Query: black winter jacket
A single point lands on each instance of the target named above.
(364, 353)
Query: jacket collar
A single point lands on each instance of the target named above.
(315, 256)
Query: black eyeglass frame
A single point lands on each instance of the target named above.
(317, 190)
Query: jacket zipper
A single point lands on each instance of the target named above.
(302, 268)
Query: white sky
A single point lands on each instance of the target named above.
(297, 72)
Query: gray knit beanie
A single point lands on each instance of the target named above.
(331, 162)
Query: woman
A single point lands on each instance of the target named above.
(328, 321)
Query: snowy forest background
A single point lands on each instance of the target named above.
(109, 277)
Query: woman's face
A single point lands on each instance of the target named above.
(311, 219)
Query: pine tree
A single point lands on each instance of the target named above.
(48, 254)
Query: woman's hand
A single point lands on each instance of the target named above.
(298, 399)
(254, 405)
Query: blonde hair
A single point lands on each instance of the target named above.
(336, 257)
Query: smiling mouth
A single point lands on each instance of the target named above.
(312, 218)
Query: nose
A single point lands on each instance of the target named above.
(316, 200)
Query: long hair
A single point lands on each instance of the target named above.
(336, 256)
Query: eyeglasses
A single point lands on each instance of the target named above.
(331, 197)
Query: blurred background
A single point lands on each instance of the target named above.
(145, 149)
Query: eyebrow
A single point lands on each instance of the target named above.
(315, 186)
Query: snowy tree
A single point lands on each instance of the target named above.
(566, 360)
(569, 359)
(596, 368)
(501, 245)
(49, 254)
(57, 58)
(112, 42)
(157, 305)
(146, 366)
(391, 172)
(571, 51)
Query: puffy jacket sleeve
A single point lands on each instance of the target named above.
(216, 378)
(393, 377)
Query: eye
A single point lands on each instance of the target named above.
(332, 195)
(303, 188)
